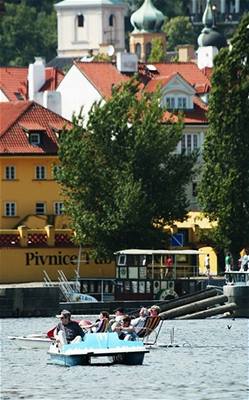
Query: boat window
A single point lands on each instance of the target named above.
(122, 272)
(84, 288)
(142, 272)
(127, 286)
(133, 272)
(148, 287)
(122, 259)
(91, 287)
(141, 287)
(134, 286)
(156, 285)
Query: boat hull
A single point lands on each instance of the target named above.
(71, 361)
(99, 346)
(240, 296)
(32, 341)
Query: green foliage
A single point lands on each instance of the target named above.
(157, 51)
(44, 5)
(224, 189)
(179, 30)
(26, 33)
(121, 175)
(102, 57)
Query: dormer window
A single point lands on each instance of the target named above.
(176, 103)
(34, 132)
(170, 102)
(182, 102)
(35, 139)
(19, 96)
(80, 19)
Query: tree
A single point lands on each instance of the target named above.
(120, 175)
(170, 8)
(44, 5)
(157, 51)
(179, 30)
(224, 188)
(26, 33)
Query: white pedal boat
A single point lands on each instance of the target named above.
(100, 346)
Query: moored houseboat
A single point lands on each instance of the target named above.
(147, 275)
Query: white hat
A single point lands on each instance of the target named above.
(64, 313)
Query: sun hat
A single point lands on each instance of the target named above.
(64, 313)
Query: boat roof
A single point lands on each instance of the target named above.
(145, 252)
(237, 272)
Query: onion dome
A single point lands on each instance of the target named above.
(209, 35)
(147, 18)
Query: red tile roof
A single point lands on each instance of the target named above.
(188, 70)
(102, 75)
(160, 81)
(17, 115)
(31, 126)
(9, 112)
(13, 81)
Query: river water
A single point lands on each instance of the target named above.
(211, 363)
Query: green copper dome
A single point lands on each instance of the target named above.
(147, 18)
(209, 35)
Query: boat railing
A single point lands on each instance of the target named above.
(68, 289)
(158, 271)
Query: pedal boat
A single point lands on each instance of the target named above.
(98, 346)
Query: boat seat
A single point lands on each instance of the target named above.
(150, 325)
(103, 327)
(50, 333)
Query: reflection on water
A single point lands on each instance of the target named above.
(210, 364)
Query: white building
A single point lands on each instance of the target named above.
(85, 25)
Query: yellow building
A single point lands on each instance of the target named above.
(28, 156)
(31, 204)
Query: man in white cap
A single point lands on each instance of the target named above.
(67, 331)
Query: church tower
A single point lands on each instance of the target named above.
(210, 41)
(147, 22)
(89, 25)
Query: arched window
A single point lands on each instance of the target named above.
(112, 20)
(138, 50)
(80, 19)
(147, 49)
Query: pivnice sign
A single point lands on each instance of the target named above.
(36, 259)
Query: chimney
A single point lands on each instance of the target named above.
(36, 76)
(186, 53)
(127, 62)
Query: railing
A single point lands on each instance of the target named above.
(68, 289)
(161, 271)
(47, 237)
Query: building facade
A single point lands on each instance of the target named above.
(85, 25)
(228, 12)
